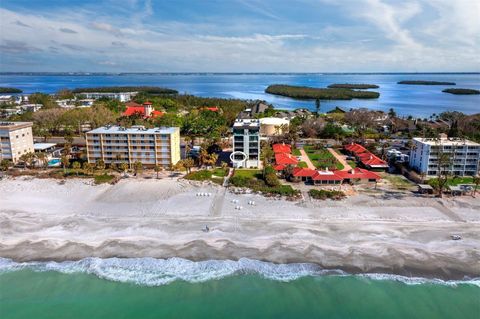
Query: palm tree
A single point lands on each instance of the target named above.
(137, 167)
(476, 181)
(124, 167)
(203, 157)
(157, 169)
(65, 162)
(42, 157)
(100, 164)
(188, 164)
(76, 166)
(88, 168)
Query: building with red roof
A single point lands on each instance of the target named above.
(285, 159)
(365, 157)
(282, 148)
(146, 110)
(210, 108)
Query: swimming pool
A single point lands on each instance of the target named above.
(54, 162)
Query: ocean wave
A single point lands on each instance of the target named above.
(157, 272)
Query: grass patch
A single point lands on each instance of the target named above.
(353, 164)
(322, 158)
(220, 172)
(296, 152)
(302, 165)
(105, 178)
(324, 194)
(398, 181)
(248, 173)
(455, 181)
(199, 175)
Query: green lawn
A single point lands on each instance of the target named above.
(220, 172)
(398, 181)
(353, 164)
(322, 158)
(249, 173)
(302, 164)
(296, 152)
(454, 181)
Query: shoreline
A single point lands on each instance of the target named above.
(163, 219)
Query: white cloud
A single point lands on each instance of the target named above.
(104, 42)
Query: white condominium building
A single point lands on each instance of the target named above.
(121, 96)
(464, 156)
(16, 139)
(116, 144)
(246, 143)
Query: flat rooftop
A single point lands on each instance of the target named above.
(246, 123)
(114, 129)
(7, 125)
(445, 141)
(43, 146)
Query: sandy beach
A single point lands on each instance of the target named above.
(41, 219)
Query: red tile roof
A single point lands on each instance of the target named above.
(279, 167)
(368, 159)
(282, 148)
(211, 108)
(358, 173)
(303, 172)
(131, 104)
(285, 159)
(326, 176)
(139, 109)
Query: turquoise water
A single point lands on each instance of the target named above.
(417, 100)
(69, 292)
(54, 162)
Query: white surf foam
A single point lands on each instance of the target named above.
(157, 272)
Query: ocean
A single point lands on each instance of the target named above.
(416, 100)
(178, 288)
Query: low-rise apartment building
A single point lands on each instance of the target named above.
(463, 156)
(116, 144)
(121, 96)
(246, 143)
(16, 139)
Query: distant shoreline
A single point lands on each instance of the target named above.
(220, 73)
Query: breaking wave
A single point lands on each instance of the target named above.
(158, 272)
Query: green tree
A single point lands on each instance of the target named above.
(137, 167)
(76, 166)
(157, 169)
(88, 168)
(65, 163)
(317, 107)
(5, 165)
(124, 167)
(100, 164)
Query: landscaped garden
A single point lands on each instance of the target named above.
(322, 158)
(266, 182)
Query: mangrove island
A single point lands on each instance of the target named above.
(426, 83)
(304, 92)
(461, 91)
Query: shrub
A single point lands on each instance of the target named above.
(324, 194)
(272, 180)
(199, 175)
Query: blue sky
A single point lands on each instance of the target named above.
(240, 35)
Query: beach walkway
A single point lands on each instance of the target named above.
(341, 159)
(306, 159)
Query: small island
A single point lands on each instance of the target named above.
(426, 83)
(353, 86)
(122, 89)
(461, 91)
(10, 90)
(304, 92)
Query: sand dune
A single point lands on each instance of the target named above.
(43, 220)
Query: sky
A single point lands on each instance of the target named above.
(240, 35)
